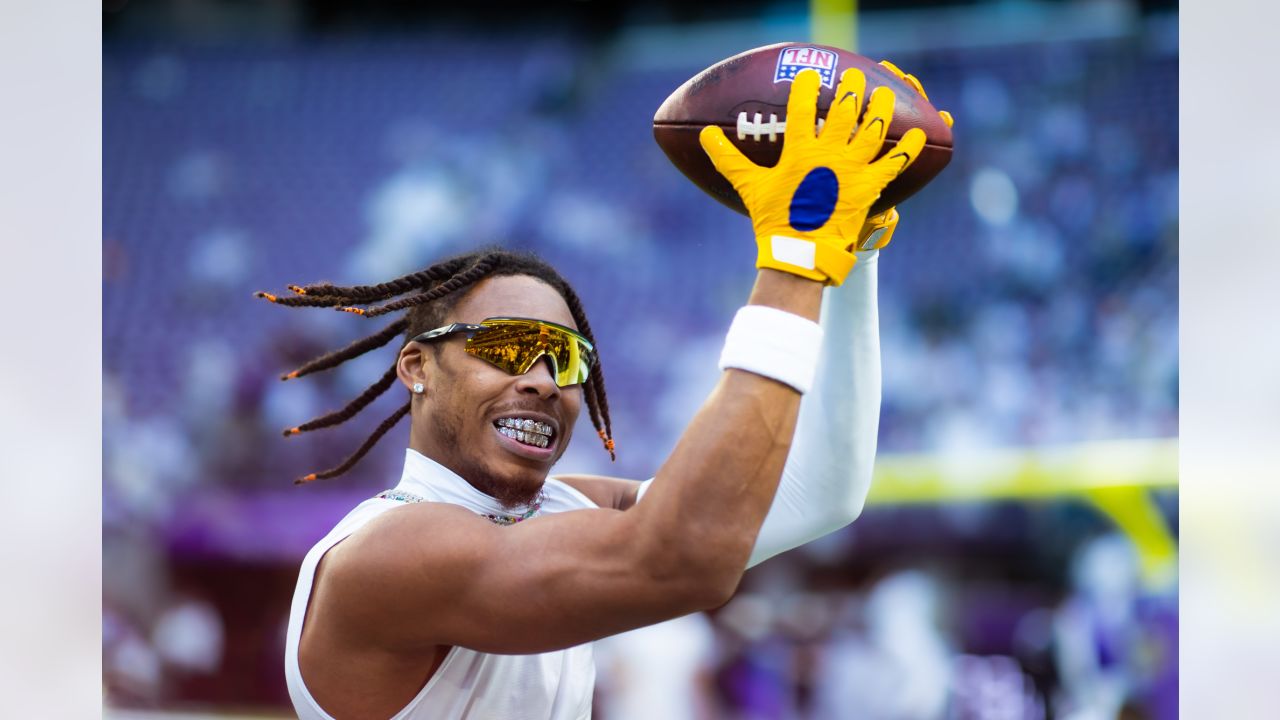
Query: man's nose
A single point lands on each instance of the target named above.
(540, 380)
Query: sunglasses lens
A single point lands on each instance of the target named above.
(501, 346)
(566, 353)
(515, 345)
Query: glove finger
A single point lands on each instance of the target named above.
(901, 155)
(875, 125)
(877, 231)
(884, 218)
(845, 108)
(946, 118)
(914, 82)
(802, 109)
(893, 69)
(728, 159)
(907, 78)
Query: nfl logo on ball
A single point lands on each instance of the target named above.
(794, 59)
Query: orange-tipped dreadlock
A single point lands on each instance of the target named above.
(608, 444)
(428, 296)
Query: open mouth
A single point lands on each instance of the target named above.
(526, 431)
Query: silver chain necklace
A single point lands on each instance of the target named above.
(534, 507)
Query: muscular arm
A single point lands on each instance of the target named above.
(828, 471)
(451, 578)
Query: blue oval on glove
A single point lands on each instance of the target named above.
(815, 199)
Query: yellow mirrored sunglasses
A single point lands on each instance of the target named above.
(515, 344)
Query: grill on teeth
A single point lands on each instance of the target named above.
(528, 438)
(526, 425)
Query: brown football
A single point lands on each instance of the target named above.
(747, 96)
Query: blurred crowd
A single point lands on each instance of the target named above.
(895, 650)
(1029, 298)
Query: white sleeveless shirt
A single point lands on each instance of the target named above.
(468, 685)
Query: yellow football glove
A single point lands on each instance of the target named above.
(807, 211)
(878, 229)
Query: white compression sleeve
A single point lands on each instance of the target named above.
(828, 471)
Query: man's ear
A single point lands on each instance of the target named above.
(411, 365)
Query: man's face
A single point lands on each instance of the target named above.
(456, 420)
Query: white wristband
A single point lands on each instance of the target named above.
(775, 344)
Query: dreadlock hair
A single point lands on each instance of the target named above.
(428, 296)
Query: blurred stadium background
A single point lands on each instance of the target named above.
(1017, 558)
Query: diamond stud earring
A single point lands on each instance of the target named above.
(417, 388)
